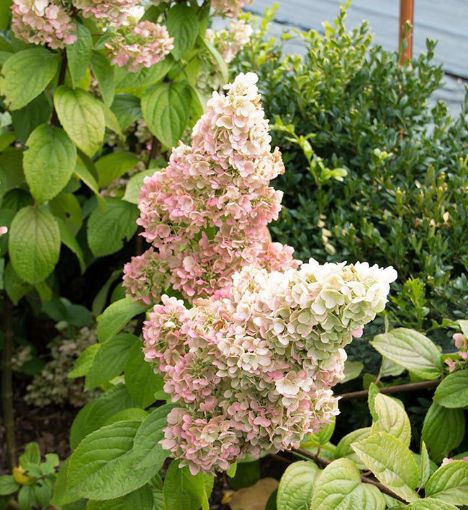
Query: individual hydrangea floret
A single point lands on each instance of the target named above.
(207, 213)
(459, 360)
(230, 41)
(253, 370)
(43, 22)
(142, 45)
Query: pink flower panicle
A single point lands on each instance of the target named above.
(142, 45)
(113, 12)
(253, 371)
(43, 22)
(229, 8)
(206, 214)
(230, 41)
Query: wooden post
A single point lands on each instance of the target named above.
(406, 34)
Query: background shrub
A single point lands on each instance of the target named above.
(403, 201)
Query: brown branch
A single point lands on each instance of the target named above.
(423, 385)
(7, 381)
(365, 479)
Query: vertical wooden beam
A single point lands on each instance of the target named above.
(406, 33)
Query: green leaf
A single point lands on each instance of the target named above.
(26, 74)
(141, 381)
(452, 392)
(79, 54)
(295, 487)
(69, 240)
(183, 26)
(390, 369)
(104, 74)
(463, 326)
(48, 162)
(392, 418)
(141, 499)
(340, 486)
(114, 165)
(430, 504)
(31, 454)
(110, 224)
(320, 438)
(352, 370)
(116, 316)
(344, 447)
(166, 109)
(137, 83)
(99, 302)
(84, 361)
(391, 462)
(183, 491)
(86, 176)
(15, 287)
(110, 360)
(98, 412)
(373, 391)
(34, 244)
(134, 185)
(411, 350)
(443, 430)
(127, 109)
(116, 459)
(67, 208)
(26, 119)
(450, 483)
(8, 485)
(82, 117)
(111, 120)
(424, 466)
(128, 414)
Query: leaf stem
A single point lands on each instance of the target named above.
(7, 381)
(422, 385)
(325, 462)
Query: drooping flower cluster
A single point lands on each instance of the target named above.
(206, 213)
(43, 22)
(230, 41)
(230, 8)
(253, 371)
(142, 45)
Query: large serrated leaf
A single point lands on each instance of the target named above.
(391, 462)
(48, 162)
(141, 499)
(110, 224)
(82, 117)
(111, 359)
(34, 243)
(392, 418)
(166, 110)
(116, 316)
(411, 350)
(183, 491)
(79, 54)
(443, 430)
(452, 392)
(141, 381)
(450, 483)
(116, 459)
(295, 487)
(183, 26)
(339, 487)
(97, 412)
(26, 74)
